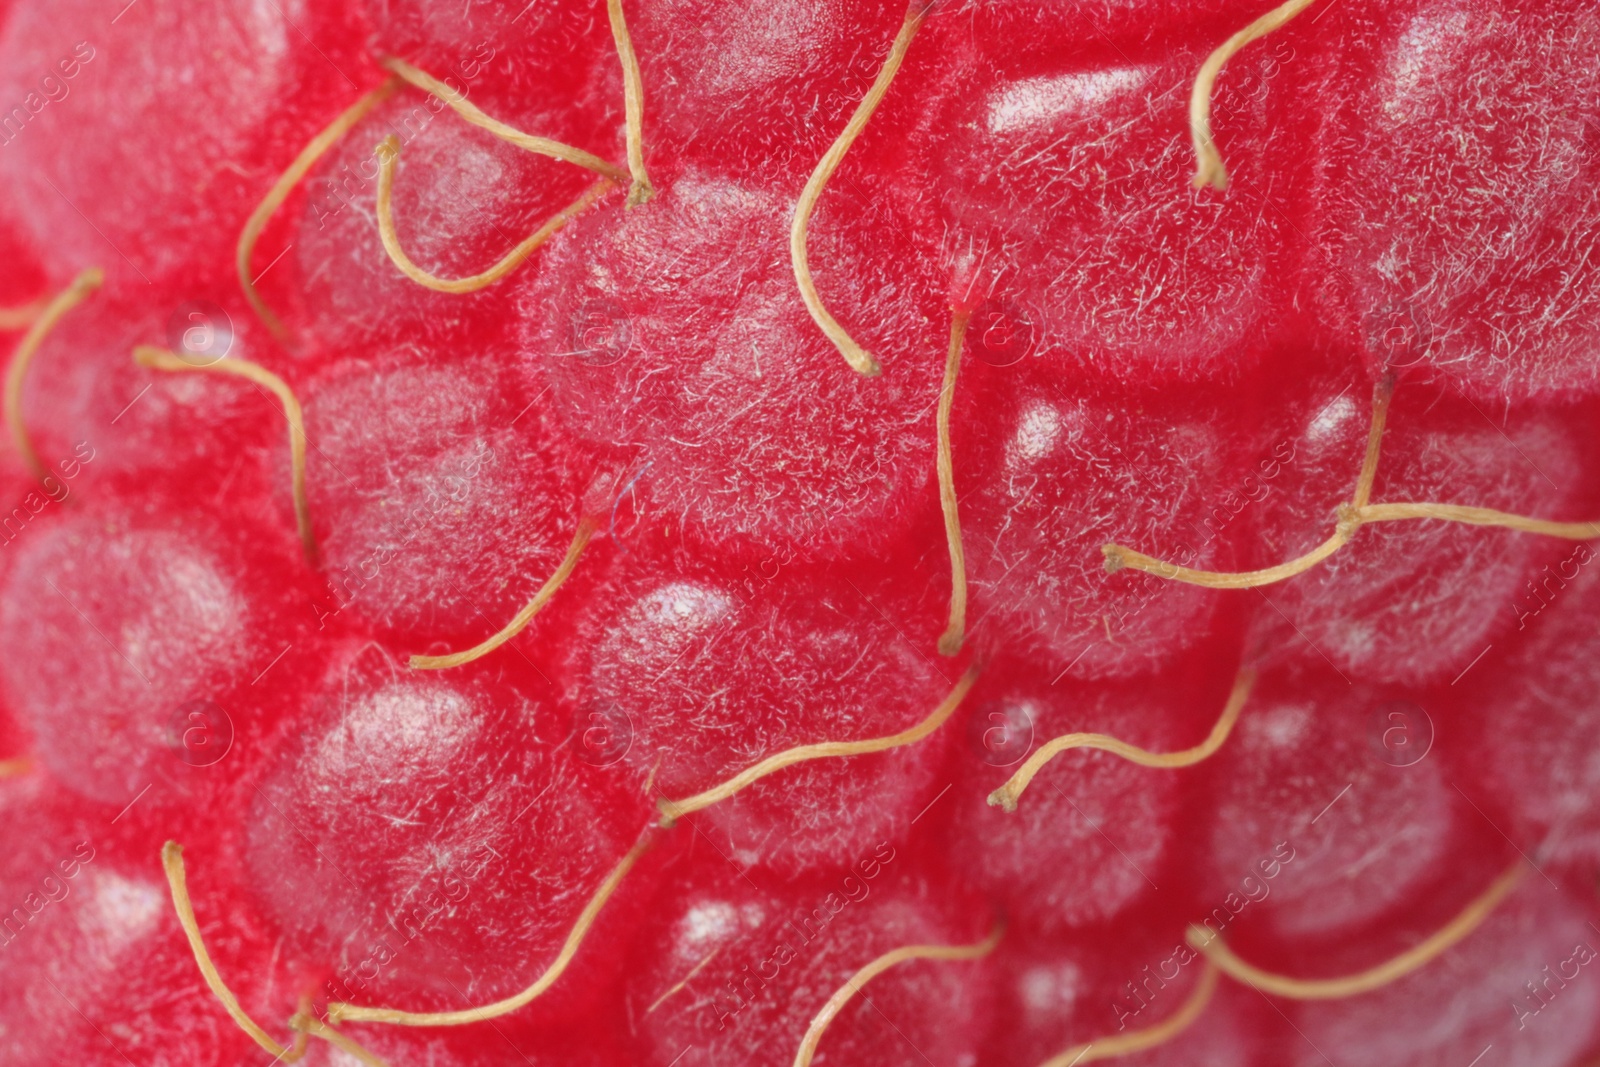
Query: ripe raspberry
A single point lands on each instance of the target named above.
(442, 828)
(1473, 119)
(169, 626)
(1507, 987)
(827, 664)
(660, 532)
(445, 498)
(675, 331)
(522, 61)
(1092, 834)
(1395, 604)
(1099, 250)
(21, 276)
(734, 968)
(1059, 995)
(94, 415)
(461, 200)
(164, 162)
(1527, 744)
(1302, 785)
(752, 98)
(95, 960)
(1055, 472)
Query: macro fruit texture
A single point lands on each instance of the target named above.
(728, 532)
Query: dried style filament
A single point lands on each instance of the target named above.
(313, 151)
(1208, 161)
(21, 316)
(1106, 1048)
(388, 160)
(163, 359)
(341, 1012)
(1352, 516)
(70, 297)
(302, 1032)
(1382, 396)
(632, 104)
(1118, 557)
(1571, 531)
(177, 882)
(955, 632)
(673, 810)
(303, 1022)
(846, 993)
(685, 980)
(475, 116)
(580, 540)
(858, 357)
(1007, 795)
(1456, 929)
(306, 1023)
(389, 157)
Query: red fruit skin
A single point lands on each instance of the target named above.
(94, 416)
(1476, 994)
(676, 330)
(96, 969)
(22, 278)
(771, 88)
(461, 200)
(771, 954)
(14, 740)
(161, 621)
(427, 841)
(812, 649)
(24, 500)
(1318, 822)
(1085, 220)
(1404, 602)
(506, 1044)
(524, 63)
(1054, 994)
(1461, 175)
(442, 496)
(1526, 750)
(168, 128)
(1049, 471)
(1092, 833)
(1410, 192)
(1039, 31)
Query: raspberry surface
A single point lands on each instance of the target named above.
(687, 533)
